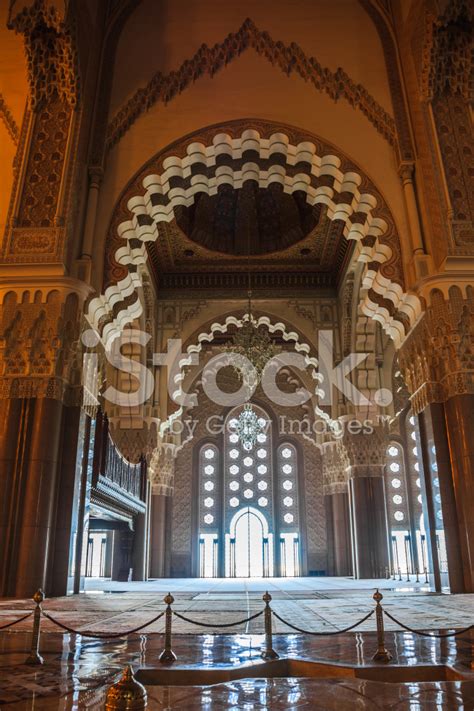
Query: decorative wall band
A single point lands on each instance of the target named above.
(9, 121)
(289, 58)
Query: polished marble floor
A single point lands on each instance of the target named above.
(77, 672)
(426, 673)
(322, 603)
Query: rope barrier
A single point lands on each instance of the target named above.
(209, 624)
(101, 635)
(323, 634)
(168, 656)
(429, 634)
(15, 622)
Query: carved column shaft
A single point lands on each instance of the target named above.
(366, 454)
(339, 532)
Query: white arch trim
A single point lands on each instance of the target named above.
(181, 180)
(302, 348)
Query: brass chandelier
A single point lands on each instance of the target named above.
(251, 349)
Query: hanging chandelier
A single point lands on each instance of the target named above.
(251, 348)
(248, 427)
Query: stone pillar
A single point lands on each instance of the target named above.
(366, 453)
(36, 540)
(406, 176)
(40, 309)
(66, 501)
(334, 460)
(95, 179)
(438, 367)
(122, 554)
(459, 412)
(161, 475)
(39, 393)
(337, 512)
(15, 426)
(158, 535)
(370, 535)
(139, 548)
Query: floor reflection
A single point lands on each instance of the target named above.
(77, 672)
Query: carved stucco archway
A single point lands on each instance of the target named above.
(232, 154)
(206, 336)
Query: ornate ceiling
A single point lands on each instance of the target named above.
(264, 231)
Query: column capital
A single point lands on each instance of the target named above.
(40, 348)
(161, 468)
(366, 452)
(335, 464)
(436, 359)
(406, 171)
(96, 174)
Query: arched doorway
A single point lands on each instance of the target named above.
(249, 520)
(249, 546)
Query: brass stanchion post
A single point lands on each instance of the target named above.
(167, 656)
(268, 651)
(127, 693)
(382, 654)
(35, 657)
(417, 576)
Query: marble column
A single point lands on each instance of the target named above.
(459, 414)
(158, 535)
(16, 416)
(369, 525)
(339, 530)
(122, 554)
(139, 547)
(436, 360)
(433, 433)
(66, 492)
(36, 540)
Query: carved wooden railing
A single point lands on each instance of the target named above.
(112, 472)
(125, 474)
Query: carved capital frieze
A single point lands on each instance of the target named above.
(40, 350)
(437, 359)
(335, 464)
(161, 468)
(366, 451)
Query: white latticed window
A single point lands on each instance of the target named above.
(287, 477)
(209, 493)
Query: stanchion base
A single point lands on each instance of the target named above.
(268, 654)
(382, 656)
(34, 660)
(167, 656)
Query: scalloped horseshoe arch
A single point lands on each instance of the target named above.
(206, 161)
(302, 348)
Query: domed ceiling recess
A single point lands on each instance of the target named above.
(251, 220)
(265, 229)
